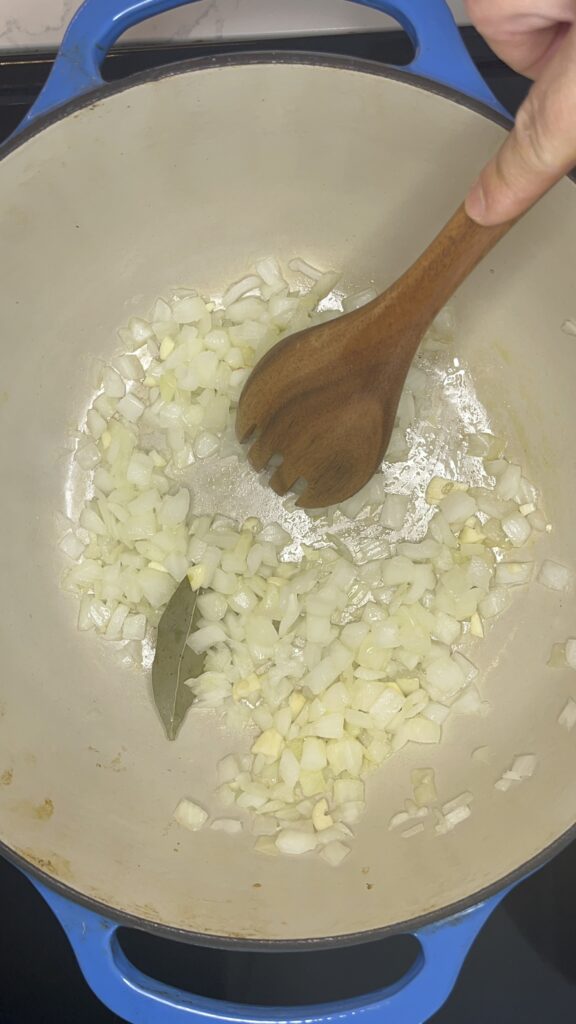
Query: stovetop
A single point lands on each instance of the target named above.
(522, 968)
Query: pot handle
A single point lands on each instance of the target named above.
(139, 999)
(440, 53)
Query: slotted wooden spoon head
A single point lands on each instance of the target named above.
(325, 399)
(326, 406)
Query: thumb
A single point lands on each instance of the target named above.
(540, 149)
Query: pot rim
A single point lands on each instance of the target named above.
(236, 943)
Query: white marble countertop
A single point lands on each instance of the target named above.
(35, 24)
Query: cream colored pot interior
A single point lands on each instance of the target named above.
(185, 180)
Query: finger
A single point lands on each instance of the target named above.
(524, 39)
(529, 53)
(540, 149)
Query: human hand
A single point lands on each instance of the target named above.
(538, 39)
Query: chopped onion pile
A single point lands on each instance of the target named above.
(337, 661)
(164, 405)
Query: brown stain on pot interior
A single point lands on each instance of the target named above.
(147, 911)
(39, 812)
(6, 777)
(52, 863)
(44, 811)
(116, 764)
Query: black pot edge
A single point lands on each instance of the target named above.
(241, 943)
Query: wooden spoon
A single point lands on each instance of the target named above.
(325, 399)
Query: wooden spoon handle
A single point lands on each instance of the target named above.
(445, 264)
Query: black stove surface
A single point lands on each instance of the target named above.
(522, 968)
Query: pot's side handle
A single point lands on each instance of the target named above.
(139, 999)
(440, 53)
(94, 28)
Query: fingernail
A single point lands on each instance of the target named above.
(476, 202)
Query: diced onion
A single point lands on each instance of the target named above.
(72, 545)
(230, 825)
(129, 367)
(398, 819)
(513, 574)
(557, 657)
(516, 528)
(522, 767)
(358, 300)
(509, 482)
(228, 769)
(570, 653)
(394, 511)
(495, 602)
(413, 831)
(202, 639)
(293, 842)
(131, 408)
(456, 816)
(555, 576)
(334, 853)
(463, 800)
(457, 506)
(424, 787)
(190, 815)
(567, 717)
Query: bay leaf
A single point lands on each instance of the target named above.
(174, 661)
